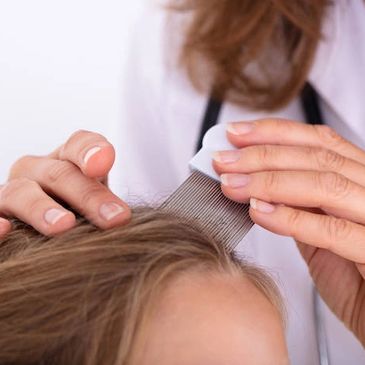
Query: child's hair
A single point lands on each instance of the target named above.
(82, 297)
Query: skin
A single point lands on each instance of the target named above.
(66, 174)
(306, 182)
(212, 319)
(280, 159)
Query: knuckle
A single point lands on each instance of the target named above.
(275, 122)
(60, 171)
(271, 181)
(328, 136)
(334, 185)
(34, 206)
(337, 229)
(20, 166)
(84, 134)
(79, 133)
(265, 154)
(76, 136)
(90, 193)
(294, 222)
(14, 187)
(283, 124)
(327, 159)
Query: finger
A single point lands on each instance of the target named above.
(275, 158)
(361, 268)
(329, 191)
(25, 200)
(287, 132)
(89, 197)
(91, 152)
(340, 236)
(5, 227)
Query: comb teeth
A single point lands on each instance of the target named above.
(200, 199)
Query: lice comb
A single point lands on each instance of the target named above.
(200, 199)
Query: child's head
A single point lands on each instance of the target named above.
(154, 292)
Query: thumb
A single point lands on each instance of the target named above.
(91, 152)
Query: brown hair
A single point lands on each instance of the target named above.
(258, 53)
(80, 298)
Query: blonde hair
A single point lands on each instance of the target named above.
(258, 53)
(81, 297)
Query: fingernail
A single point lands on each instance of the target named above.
(235, 180)
(52, 216)
(91, 152)
(226, 156)
(261, 206)
(240, 128)
(110, 210)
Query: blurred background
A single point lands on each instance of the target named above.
(60, 61)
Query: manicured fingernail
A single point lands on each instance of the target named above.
(110, 210)
(53, 215)
(226, 156)
(235, 180)
(261, 206)
(240, 128)
(90, 153)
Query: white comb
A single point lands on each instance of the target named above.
(201, 200)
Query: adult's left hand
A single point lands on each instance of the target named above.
(306, 182)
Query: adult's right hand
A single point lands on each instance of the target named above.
(76, 173)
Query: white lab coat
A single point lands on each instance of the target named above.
(158, 137)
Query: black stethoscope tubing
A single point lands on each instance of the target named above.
(308, 97)
(313, 115)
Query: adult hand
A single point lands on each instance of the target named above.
(306, 182)
(75, 174)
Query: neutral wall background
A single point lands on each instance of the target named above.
(59, 61)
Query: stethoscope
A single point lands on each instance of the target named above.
(312, 112)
